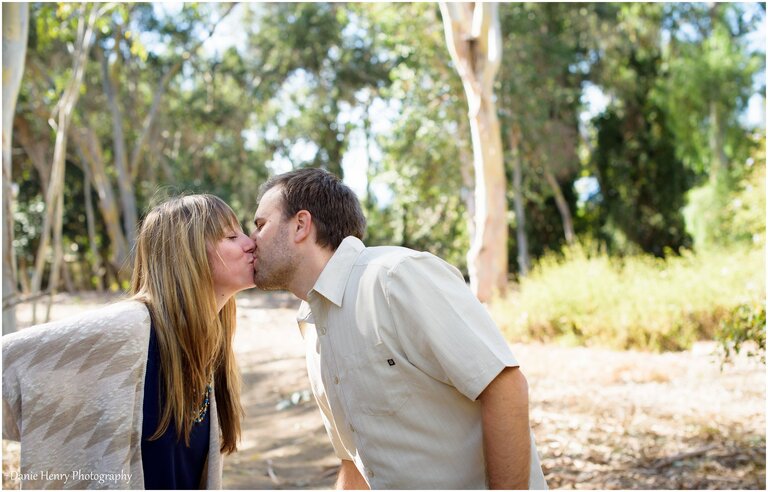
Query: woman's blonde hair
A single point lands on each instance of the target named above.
(172, 276)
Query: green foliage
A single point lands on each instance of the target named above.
(642, 182)
(673, 123)
(638, 302)
(312, 60)
(546, 50)
(743, 327)
(709, 68)
(427, 143)
(311, 80)
(730, 211)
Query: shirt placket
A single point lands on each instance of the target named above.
(330, 375)
(340, 405)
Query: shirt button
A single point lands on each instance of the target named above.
(336, 380)
(370, 473)
(352, 428)
(321, 330)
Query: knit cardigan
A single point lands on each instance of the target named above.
(73, 393)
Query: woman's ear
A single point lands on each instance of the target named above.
(303, 226)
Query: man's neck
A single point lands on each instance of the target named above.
(314, 265)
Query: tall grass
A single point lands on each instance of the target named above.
(636, 302)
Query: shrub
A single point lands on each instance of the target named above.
(743, 326)
(638, 302)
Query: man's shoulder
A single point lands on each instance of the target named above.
(387, 257)
(397, 261)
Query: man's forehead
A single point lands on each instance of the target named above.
(269, 202)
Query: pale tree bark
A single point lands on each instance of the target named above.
(719, 160)
(468, 181)
(562, 205)
(36, 149)
(523, 258)
(96, 268)
(716, 145)
(473, 36)
(561, 148)
(124, 178)
(54, 217)
(90, 151)
(15, 29)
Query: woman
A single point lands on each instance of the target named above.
(143, 393)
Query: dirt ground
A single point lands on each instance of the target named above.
(602, 419)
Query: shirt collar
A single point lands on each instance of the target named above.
(333, 279)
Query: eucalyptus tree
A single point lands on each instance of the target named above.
(642, 179)
(204, 144)
(309, 61)
(712, 75)
(712, 71)
(547, 50)
(120, 75)
(473, 37)
(86, 16)
(423, 135)
(15, 29)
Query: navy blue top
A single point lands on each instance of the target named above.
(168, 463)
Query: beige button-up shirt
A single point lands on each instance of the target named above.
(398, 350)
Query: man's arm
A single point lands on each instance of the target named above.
(506, 435)
(349, 478)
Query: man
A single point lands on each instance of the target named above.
(416, 386)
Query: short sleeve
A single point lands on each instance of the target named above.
(447, 332)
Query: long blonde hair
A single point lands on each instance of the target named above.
(172, 276)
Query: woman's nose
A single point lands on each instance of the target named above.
(250, 245)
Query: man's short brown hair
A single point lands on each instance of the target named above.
(335, 209)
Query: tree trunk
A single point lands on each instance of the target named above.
(36, 149)
(90, 216)
(562, 205)
(124, 178)
(523, 258)
(15, 28)
(468, 181)
(473, 37)
(53, 221)
(716, 145)
(90, 151)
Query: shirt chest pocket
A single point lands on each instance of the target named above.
(374, 381)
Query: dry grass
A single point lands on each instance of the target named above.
(587, 298)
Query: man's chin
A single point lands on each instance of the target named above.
(262, 285)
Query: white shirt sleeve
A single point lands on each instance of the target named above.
(444, 329)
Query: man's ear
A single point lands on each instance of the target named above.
(303, 226)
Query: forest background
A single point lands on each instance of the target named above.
(631, 140)
(632, 136)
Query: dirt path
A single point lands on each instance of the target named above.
(602, 419)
